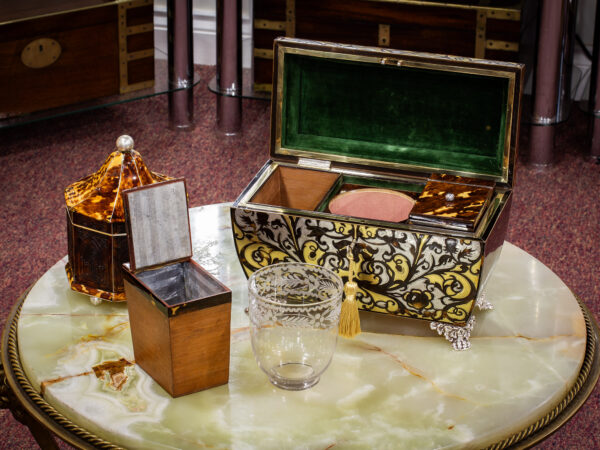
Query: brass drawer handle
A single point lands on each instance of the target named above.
(392, 62)
(41, 53)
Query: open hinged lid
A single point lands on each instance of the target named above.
(393, 109)
(158, 224)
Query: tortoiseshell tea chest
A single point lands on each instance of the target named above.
(442, 130)
(97, 237)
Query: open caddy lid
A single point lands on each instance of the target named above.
(158, 224)
(394, 109)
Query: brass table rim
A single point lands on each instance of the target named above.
(75, 435)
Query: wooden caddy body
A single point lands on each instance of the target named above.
(63, 52)
(179, 314)
(432, 266)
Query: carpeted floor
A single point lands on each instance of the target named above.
(555, 215)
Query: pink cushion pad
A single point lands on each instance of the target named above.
(376, 204)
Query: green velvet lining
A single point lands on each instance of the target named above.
(432, 118)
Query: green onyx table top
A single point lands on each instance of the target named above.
(398, 385)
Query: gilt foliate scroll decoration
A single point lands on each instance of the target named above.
(398, 272)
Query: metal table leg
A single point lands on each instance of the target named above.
(546, 81)
(594, 99)
(229, 66)
(181, 63)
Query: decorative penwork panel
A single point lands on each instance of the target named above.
(417, 275)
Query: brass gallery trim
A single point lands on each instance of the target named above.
(290, 18)
(263, 24)
(445, 66)
(494, 12)
(263, 53)
(139, 29)
(384, 35)
(124, 56)
(92, 229)
(267, 87)
(140, 54)
(480, 31)
(503, 14)
(377, 59)
(502, 45)
(137, 86)
(368, 163)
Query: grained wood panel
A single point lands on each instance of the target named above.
(141, 15)
(22, 9)
(382, 12)
(88, 65)
(342, 31)
(263, 73)
(200, 349)
(140, 41)
(140, 70)
(296, 188)
(505, 30)
(150, 335)
(158, 224)
(84, 70)
(500, 55)
(264, 38)
(269, 9)
(59, 23)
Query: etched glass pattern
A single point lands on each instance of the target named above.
(294, 312)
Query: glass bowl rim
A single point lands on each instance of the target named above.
(336, 279)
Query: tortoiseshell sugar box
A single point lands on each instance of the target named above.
(440, 130)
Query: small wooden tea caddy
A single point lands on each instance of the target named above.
(179, 314)
(97, 238)
(442, 130)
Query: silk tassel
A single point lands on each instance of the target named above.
(349, 318)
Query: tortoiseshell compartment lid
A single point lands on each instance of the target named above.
(98, 196)
(452, 202)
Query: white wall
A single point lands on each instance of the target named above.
(204, 28)
(582, 66)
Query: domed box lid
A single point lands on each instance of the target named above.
(98, 196)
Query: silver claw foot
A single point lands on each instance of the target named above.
(482, 302)
(457, 336)
(95, 301)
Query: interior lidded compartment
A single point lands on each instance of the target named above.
(297, 188)
(179, 313)
(453, 202)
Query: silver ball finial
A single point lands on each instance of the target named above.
(125, 143)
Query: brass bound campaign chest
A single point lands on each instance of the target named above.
(64, 52)
(472, 28)
(440, 130)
